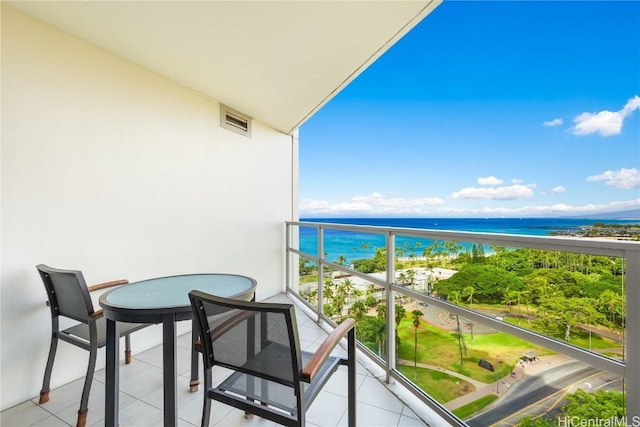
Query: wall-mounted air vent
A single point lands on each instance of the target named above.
(234, 121)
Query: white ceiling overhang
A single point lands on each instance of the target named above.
(276, 61)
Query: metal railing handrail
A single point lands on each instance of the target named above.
(627, 250)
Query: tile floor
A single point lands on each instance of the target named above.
(141, 395)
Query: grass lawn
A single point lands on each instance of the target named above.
(475, 406)
(439, 385)
(439, 347)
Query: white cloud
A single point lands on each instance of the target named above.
(559, 189)
(397, 203)
(311, 208)
(375, 203)
(490, 180)
(606, 123)
(542, 210)
(516, 191)
(623, 178)
(313, 205)
(554, 122)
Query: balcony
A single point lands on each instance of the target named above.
(141, 394)
(506, 371)
(387, 393)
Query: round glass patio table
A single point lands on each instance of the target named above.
(161, 300)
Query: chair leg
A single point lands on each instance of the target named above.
(44, 393)
(195, 343)
(351, 377)
(84, 401)
(82, 418)
(206, 405)
(127, 349)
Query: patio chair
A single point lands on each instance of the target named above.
(68, 296)
(270, 376)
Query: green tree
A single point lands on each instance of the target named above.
(312, 296)
(411, 277)
(402, 278)
(400, 313)
(489, 282)
(610, 304)
(347, 288)
(600, 405)
(468, 293)
(537, 422)
(373, 333)
(358, 310)
(584, 406)
(454, 297)
(567, 313)
(416, 316)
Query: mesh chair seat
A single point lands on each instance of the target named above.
(268, 392)
(81, 330)
(271, 377)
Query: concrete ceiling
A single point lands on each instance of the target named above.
(276, 61)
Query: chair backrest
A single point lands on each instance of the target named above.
(67, 292)
(233, 331)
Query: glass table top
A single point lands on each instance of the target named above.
(173, 291)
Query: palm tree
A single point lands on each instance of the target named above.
(416, 315)
(358, 310)
(347, 287)
(411, 277)
(468, 292)
(417, 246)
(610, 300)
(379, 330)
(370, 298)
(338, 304)
(526, 298)
(312, 296)
(454, 297)
(381, 311)
(453, 248)
(402, 278)
(400, 313)
(364, 247)
(327, 290)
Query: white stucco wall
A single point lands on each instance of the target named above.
(114, 170)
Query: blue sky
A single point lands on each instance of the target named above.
(489, 109)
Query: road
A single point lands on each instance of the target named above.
(536, 395)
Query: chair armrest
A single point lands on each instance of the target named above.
(107, 285)
(98, 313)
(313, 365)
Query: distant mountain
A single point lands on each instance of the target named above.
(632, 214)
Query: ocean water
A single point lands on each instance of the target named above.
(362, 245)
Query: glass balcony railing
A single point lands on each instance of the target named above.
(485, 329)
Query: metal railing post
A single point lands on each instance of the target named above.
(632, 347)
(320, 271)
(391, 307)
(287, 258)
